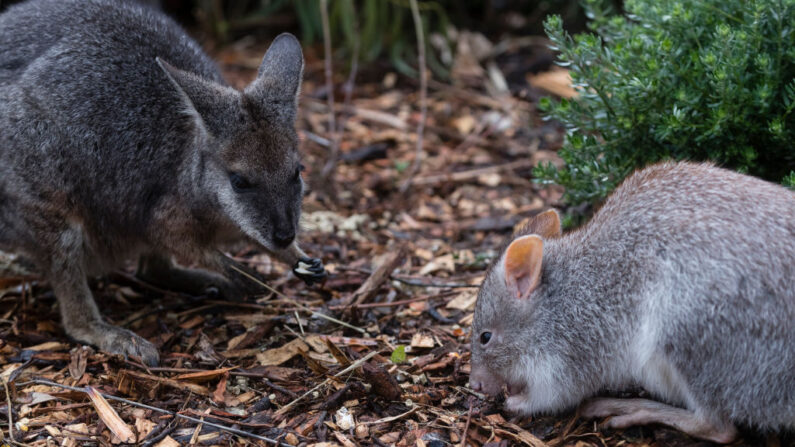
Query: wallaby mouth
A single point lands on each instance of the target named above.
(515, 389)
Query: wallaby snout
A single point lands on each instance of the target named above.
(283, 237)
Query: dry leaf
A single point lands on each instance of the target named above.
(282, 354)
(198, 389)
(234, 342)
(79, 360)
(220, 390)
(80, 429)
(143, 427)
(556, 81)
(442, 263)
(168, 441)
(420, 340)
(316, 342)
(464, 301)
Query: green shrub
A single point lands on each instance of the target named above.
(675, 79)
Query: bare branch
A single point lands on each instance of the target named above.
(331, 163)
(418, 156)
(160, 410)
(329, 73)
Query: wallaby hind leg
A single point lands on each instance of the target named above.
(161, 271)
(629, 412)
(81, 318)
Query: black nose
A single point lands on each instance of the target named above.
(283, 238)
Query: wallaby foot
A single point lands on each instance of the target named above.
(115, 340)
(79, 313)
(629, 412)
(162, 272)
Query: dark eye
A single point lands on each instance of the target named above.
(485, 337)
(239, 183)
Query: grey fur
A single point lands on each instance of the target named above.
(117, 138)
(683, 283)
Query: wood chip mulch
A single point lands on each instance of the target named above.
(379, 354)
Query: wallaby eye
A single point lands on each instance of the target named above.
(239, 183)
(485, 337)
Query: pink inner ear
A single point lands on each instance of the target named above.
(523, 265)
(523, 286)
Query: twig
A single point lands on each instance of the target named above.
(352, 367)
(332, 124)
(415, 13)
(331, 164)
(441, 285)
(161, 410)
(466, 390)
(466, 426)
(297, 304)
(278, 388)
(10, 411)
(317, 139)
(392, 418)
(167, 430)
(370, 287)
(392, 303)
(462, 176)
(351, 81)
(410, 280)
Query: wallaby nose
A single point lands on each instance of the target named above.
(283, 238)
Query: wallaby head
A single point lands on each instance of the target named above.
(247, 156)
(511, 341)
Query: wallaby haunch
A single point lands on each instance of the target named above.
(119, 138)
(683, 283)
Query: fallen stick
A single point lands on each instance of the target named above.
(419, 153)
(462, 176)
(10, 412)
(109, 416)
(334, 136)
(161, 410)
(297, 304)
(466, 426)
(370, 287)
(353, 366)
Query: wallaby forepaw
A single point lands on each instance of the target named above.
(310, 270)
(121, 341)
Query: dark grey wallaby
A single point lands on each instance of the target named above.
(682, 283)
(120, 138)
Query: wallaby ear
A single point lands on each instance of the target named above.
(210, 103)
(546, 225)
(280, 73)
(523, 265)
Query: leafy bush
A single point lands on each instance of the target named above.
(675, 79)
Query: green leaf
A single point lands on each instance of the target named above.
(685, 79)
(398, 355)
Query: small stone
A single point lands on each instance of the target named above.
(344, 419)
(291, 439)
(362, 431)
